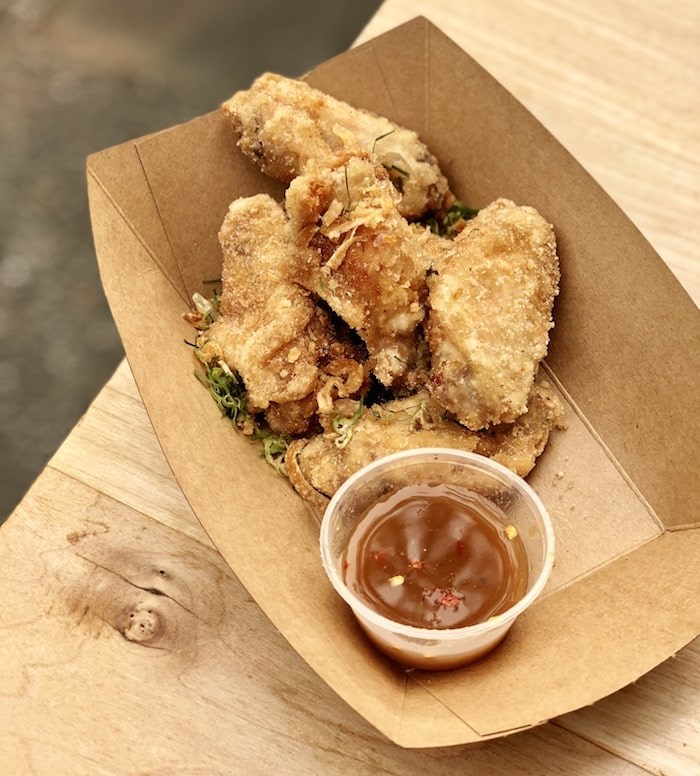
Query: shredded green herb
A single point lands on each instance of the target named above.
(229, 392)
(419, 417)
(395, 168)
(227, 389)
(381, 137)
(397, 175)
(458, 212)
(347, 187)
(274, 448)
(208, 308)
(343, 427)
(452, 222)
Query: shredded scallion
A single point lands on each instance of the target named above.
(343, 427)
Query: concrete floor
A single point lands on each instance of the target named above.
(77, 76)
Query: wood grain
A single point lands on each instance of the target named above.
(126, 643)
(653, 722)
(134, 472)
(114, 614)
(128, 646)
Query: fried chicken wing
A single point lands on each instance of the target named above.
(360, 256)
(518, 445)
(318, 467)
(284, 123)
(491, 293)
(270, 330)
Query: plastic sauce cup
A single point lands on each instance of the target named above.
(438, 648)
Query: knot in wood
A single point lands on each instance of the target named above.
(143, 626)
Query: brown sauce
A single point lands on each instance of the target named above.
(435, 556)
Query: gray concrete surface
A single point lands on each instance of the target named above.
(77, 76)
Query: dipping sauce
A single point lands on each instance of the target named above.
(436, 556)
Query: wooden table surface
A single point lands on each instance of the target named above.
(128, 646)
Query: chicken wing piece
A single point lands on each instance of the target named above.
(491, 294)
(360, 256)
(317, 467)
(518, 445)
(270, 330)
(285, 123)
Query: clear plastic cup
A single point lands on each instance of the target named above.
(438, 648)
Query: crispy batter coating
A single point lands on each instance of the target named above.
(292, 418)
(492, 290)
(270, 329)
(360, 256)
(518, 445)
(338, 285)
(318, 467)
(284, 123)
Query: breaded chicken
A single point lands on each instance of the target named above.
(317, 467)
(284, 123)
(360, 256)
(491, 294)
(270, 330)
(518, 445)
(356, 330)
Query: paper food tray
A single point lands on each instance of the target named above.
(621, 483)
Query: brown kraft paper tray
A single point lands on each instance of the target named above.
(620, 483)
